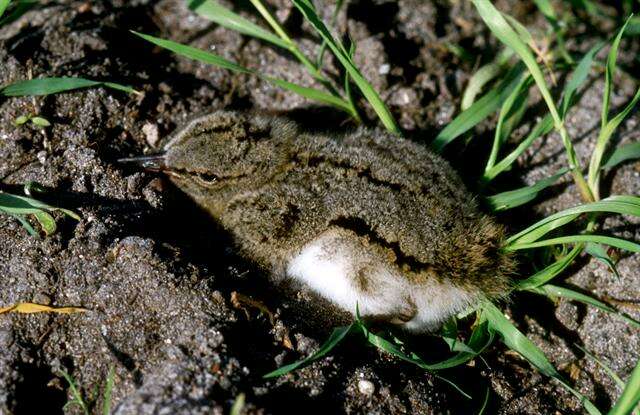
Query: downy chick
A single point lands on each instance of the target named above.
(362, 218)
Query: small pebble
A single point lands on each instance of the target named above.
(366, 387)
(42, 156)
(151, 133)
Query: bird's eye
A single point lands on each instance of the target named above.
(204, 179)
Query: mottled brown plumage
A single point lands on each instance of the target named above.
(367, 206)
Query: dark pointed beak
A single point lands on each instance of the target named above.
(153, 162)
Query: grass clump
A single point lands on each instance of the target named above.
(19, 207)
(87, 403)
(330, 95)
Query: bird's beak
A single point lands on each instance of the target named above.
(152, 162)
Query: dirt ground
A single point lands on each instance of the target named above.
(158, 277)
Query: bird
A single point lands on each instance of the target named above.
(364, 218)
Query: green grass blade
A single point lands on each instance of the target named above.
(518, 197)
(600, 253)
(485, 401)
(108, 389)
(19, 206)
(553, 291)
(511, 113)
(608, 240)
(624, 205)
(385, 345)
(46, 221)
(613, 375)
(579, 75)
(23, 205)
(621, 154)
(310, 14)
(507, 35)
(119, 87)
(544, 126)
(336, 337)
(609, 73)
(323, 46)
(75, 392)
(546, 9)
(608, 127)
(25, 224)
(19, 8)
(3, 6)
(313, 94)
(630, 395)
(238, 405)
(207, 57)
(480, 109)
(212, 10)
(484, 75)
(194, 53)
(47, 86)
(515, 340)
(551, 271)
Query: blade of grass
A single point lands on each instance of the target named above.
(212, 10)
(108, 389)
(621, 154)
(384, 344)
(608, 240)
(291, 45)
(515, 340)
(22, 205)
(3, 6)
(554, 291)
(608, 127)
(579, 75)
(25, 224)
(309, 12)
(207, 57)
(613, 375)
(510, 115)
(238, 405)
(545, 125)
(485, 401)
(609, 74)
(507, 35)
(518, 197)
(479, 110)
(624, 205)
(551, 271)
(19, 8)
(47, 86)
(630, 395)
(75, 393)
(323, 46)
(215, 12)
(334, 339)
(598, 252)
(483, 76)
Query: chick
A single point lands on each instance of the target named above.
(363, 218)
